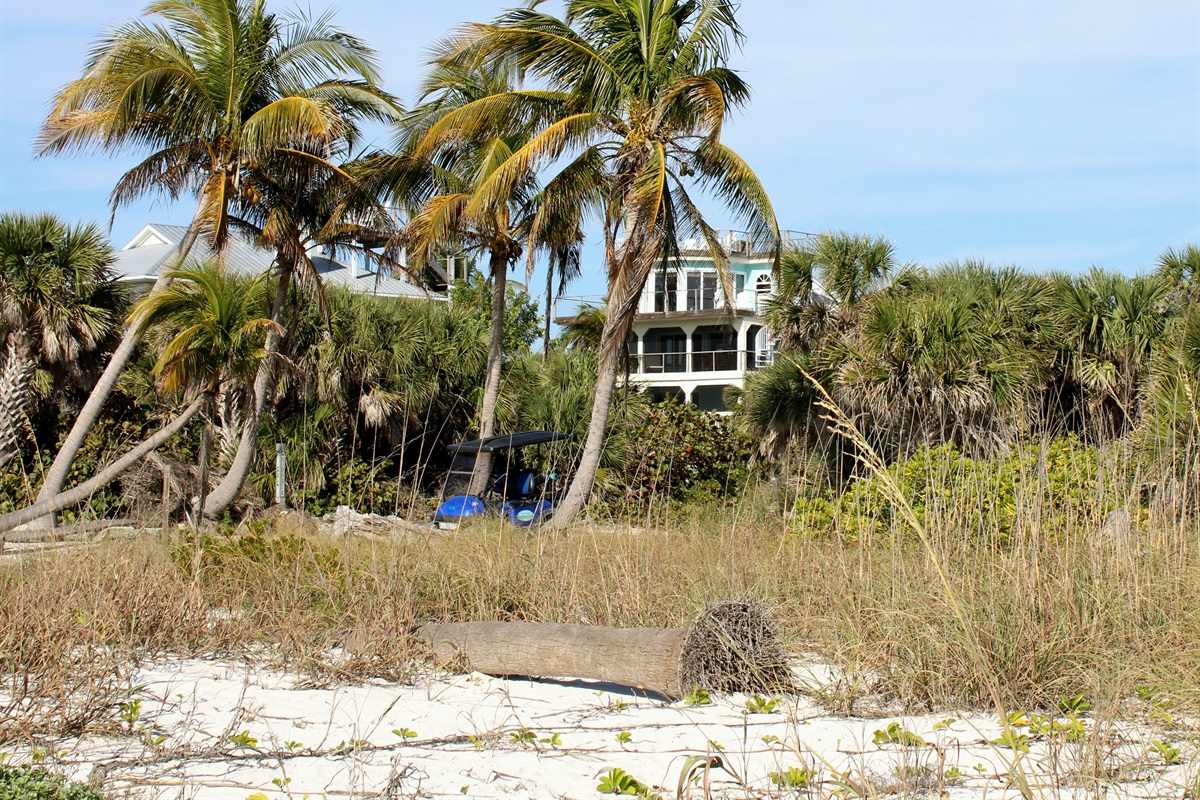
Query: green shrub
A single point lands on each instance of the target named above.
(37, 783)
(687, 454)
(1064, 482)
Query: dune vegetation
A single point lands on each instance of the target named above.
(962, 485)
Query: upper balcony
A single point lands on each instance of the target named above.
(682, 293)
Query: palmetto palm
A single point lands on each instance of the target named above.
(1173, 413)
(825, 286)
(400, 372)
(637, 91)
(1110, 326)
(1180, 269)
(58, 300)
(938, 362)
(210, 88)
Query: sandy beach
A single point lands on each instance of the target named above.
(209, 729)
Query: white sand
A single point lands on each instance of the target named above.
(340, 742)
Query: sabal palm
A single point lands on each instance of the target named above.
(937, 364)
(822, 284)
(58, 300)
(211, 88)
(1110, 326)
(638, 90)
(397, 370)
(1173, 393)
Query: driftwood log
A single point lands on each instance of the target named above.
(731, 647)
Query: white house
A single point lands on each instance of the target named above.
(685, 341)
(140, 262)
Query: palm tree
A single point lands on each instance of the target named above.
(1173, 394)
(1180, 269)
(58, 300)
(301, 206)
(211, 88)
(638, 92)
(215, 329)
(825, 286)
(1110, 327)
(441, 177)
(937, 363)
(395, 372)
(824, 282)
(216, 332)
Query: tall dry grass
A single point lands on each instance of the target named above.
(1056, 607)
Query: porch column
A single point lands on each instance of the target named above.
(640, 347)
(688, 330)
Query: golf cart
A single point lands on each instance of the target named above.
(515, 492)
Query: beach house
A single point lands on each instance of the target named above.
(141, 261)
(687, 341)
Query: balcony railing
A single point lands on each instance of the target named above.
(701, 361)
(741, 243)
(680, 301)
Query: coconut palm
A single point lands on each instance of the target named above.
(211, 88)
(584, 330)
(58, 301)
(216, 327)
(213, 326)
(639, 90)
(301, 206)
(441, 178)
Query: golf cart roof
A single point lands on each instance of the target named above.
(509, 441)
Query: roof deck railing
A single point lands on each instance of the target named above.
(741, 243)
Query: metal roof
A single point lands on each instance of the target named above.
(142, 260)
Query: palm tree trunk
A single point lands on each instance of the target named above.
(202, 464)
(491, 388)
(106, 476)
(56, 476)
(624, 293)
(19, 367)
(549, 308)
(230, 487)
(589, 463)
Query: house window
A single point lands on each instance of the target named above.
(664, 350)
(710, 398)
(666, 288)
(701, 291)
(762, 291)
(739, 283)
(714, 349)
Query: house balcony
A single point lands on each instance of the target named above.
(738, 362)
(670, 303)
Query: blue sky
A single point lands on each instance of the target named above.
(1053, 135)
